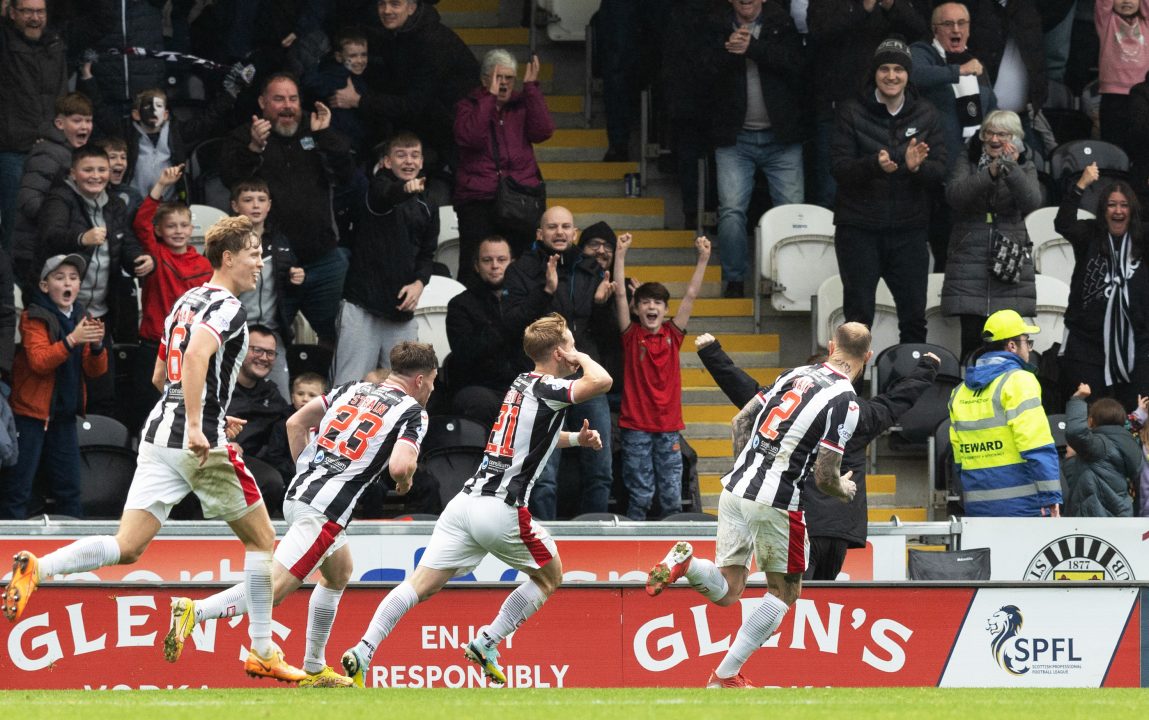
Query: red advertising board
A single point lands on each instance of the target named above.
(104, 637)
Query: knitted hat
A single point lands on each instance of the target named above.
(893, 51)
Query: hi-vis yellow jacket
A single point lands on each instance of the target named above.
(1002, 445)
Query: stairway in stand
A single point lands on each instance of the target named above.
(571, 164)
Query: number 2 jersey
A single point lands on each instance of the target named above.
(522, 438)
(362, 424)
(218, 311)
(807, 409)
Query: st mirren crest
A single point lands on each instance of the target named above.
(1004, 626)
(1079, 557)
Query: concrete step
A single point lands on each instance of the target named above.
(573, 145)
(446, 7)
(708, 430)
(718, 307)
(669, 273)
(703, 396)
(745, 360)
(712, 447)
(616, 211)
(709, 414)
(587, 171)
(719, 325)
(700, 378)
(661, 240)
(490, 37)
(565, 104)
(905, 514)
(879, 484)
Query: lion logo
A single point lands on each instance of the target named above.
(1004, 626)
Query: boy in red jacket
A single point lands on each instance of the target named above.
(164, 230)
(60, 345)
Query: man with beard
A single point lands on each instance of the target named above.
(484, 358)
(33, 73)
(298, 163)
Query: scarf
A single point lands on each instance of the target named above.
(967, 96)
(1117, 337)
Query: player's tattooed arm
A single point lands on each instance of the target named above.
(826, 474)
(743, 424)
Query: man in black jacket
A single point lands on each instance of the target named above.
(484, 360)
(888, 154)
(834, 526)
(33, 73)
(298, 162)
(555, 276)
(256, 399)
(759, 121)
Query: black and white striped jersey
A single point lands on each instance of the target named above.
(807, 408)
(522, 438)
(216, 310)
(362, 424)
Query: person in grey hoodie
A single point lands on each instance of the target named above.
(1106, 460)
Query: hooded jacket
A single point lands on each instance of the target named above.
(1107, 463)
(46, 165)
(1002, 444)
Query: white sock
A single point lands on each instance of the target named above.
(387, 616)
(756, 630)
(89, 553)
(225, 603)
(321, 609)
(257, 578)
(519, 605)
(705, 577)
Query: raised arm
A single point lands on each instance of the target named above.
(620, 305)
(595, 379)
(682, 317)
(300, 423)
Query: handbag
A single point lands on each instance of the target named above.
(1007, 255)
(520, 206)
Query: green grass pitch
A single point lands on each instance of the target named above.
(571, 704)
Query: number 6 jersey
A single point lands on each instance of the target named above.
(362, 424)
(807, 408)
(217, 310)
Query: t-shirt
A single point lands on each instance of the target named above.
(652, 379)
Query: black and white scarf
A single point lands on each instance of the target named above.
(1118, 330)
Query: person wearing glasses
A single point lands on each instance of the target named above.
(33, 73)
(947, 74)
(991, 189)
(258, 402)
(1006, 461)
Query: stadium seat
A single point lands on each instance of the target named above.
(451, 431)
(829, 314)
(203, 217)
(452, 467)
(918, 423)
(566, 20)
(447, 251)
(303, 358)
(943, 330)
(1069, 159)
(1052, 300)
(205, 186)
(106, 473)
(794, 253)
(102, 430)
(1052, 254)
(431, 313)
(1057, 430)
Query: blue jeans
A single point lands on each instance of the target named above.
(594, 465)
(823, 184)
(11, 170)
(319, 296)
(754, 150)
(651, 461)
(58, 450)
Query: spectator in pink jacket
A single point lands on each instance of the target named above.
(495, 118)
(1123, 29)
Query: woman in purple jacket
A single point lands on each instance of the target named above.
(495, 115)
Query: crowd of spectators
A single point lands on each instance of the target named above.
(340, 127)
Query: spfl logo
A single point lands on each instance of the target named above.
(1020, 655)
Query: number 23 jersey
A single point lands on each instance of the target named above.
(217, 311)
(361, 427)
(807, 409)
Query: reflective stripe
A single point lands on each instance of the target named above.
(984, 424)
(1027, 404)
(1001, 493)
(1048, 485)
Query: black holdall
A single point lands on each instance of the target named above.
(518, 205)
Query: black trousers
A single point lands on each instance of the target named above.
(1086, 364)
(901, 258)
(826, 557)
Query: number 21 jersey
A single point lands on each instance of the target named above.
(216, 310)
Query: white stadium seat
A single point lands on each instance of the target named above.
(431, 313)
(795, 252)
(1052, 254)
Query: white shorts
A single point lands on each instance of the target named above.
(225, 487)
(311, 539)
(471, 527)
(775, 538)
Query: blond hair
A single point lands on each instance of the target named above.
(543, 335)
(231, 234)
